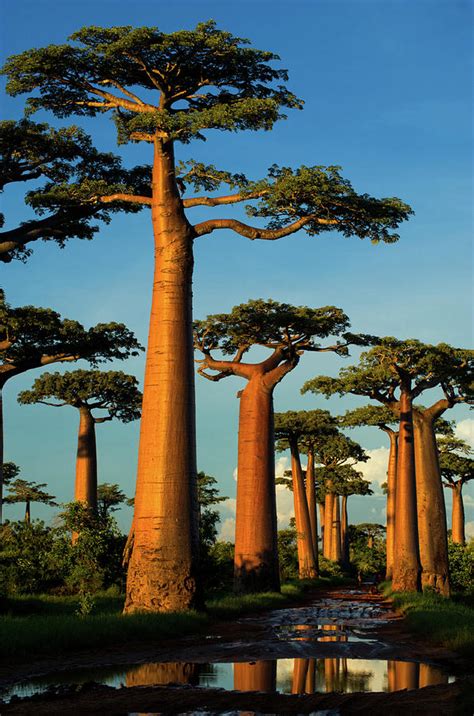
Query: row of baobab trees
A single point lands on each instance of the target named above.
(415, 503)
(163, 89)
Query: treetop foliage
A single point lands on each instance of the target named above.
(24, 491)
(10, 471)
(177, 84)
(392, 362)
(109, 496)
(341, 480)
(380, 416)
(76, 176)
(113, 391)
(270, 324)
(454, 461)
(31, 337)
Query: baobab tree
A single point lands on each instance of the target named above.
(23, 491)
(349, 482)
(163, 88)
(73, 173)
(32, 337)
(395, 373)
(297, 431)
(457, 468)
(113, 393)
(287, 332)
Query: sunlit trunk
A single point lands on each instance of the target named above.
(391, 492)
(163, 568)
(256, 551)
(336, 531)
(85, 490)
(344, 531)
(28, 512)
(311, 499)
(307, 567)
(406, 675)
(457, 526)
(328, 523)
(406, 565)
(432, 529)
(256, 676)
(321, 522)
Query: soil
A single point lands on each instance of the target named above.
(371, 630)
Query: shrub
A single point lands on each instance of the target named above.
(461, 567)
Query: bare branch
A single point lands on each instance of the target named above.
(122, 89)
(252, 233)
(130, 198)
(220, 200)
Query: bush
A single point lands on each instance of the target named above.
(461, 567)
(328, 568)
(288, 554)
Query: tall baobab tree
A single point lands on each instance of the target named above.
(395, 373)
(163, 88)
(113, 393)
(286, 332)
(457, 468)
(32, 337)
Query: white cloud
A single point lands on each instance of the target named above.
(227, 531)
(375, 469)
(465, 430)
(469, 527)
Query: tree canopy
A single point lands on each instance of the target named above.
(74, 175)
(112, 391)
(32, 337)
(109, 496)
(23, 491)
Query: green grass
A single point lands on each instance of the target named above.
(44, 624)
(447, 622)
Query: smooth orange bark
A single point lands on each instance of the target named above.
(328, 523)
(458, 534)
(321, 522)
(311, 500)
(336, 531)
(406, 565)
(391, 493)
(256, 551)
(344, 531)
(300, 674)
(432, 529)
(257, 676)
(162, 574)
(85, 490)
(307, 565)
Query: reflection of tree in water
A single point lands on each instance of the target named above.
(409, 675)
(336, 675)
(255, 676)
(169, 673)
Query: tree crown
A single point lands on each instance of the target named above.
(24, 491)
(113, 391)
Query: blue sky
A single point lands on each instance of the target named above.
(387, 96)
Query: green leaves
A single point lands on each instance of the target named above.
(113, 391)
(188, 80)
(24, 491)
(270, 324)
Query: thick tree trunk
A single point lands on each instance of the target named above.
(28, 512)
(311, 499)
(255, 676)
(457, 525)
(162, 574)
(336, 531)
(328, 523)
(344, 532)
(406, 564)
(256, 551)
(307, 567)
(391, 492)
(85, 490)
(321, 522)
(432, 529)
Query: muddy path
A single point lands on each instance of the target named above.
(339, 652)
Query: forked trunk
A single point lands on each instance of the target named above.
(307, 567)
(28, 512)
(85, 490)
(336, 531)
(162, 574)
(311, 499)
(391, 492)
(406, 564)
(344, 532)
(432, 529)
(256, 551)
(457, 526)
(328, 523)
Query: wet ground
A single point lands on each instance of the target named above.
(339, 653)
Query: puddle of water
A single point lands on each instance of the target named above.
(287, 676)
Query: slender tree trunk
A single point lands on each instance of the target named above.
(391, 492)
(307, 567)
(310, 686)
(328, 523)
(300, 673)
(321, 521)
(86, 463)
(311, 499)
(28, 512)
(432, 529)
(256, 550)
(336, 531)
(162, 574)
(457, 525)
(406, 565)
(344, 531)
